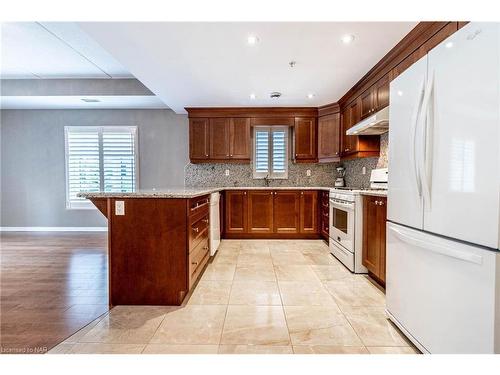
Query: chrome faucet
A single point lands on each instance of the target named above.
(266, 180)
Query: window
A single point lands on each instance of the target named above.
(99, 158)
(270, 152)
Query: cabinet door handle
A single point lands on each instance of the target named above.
(194, 263)
(196, 230)
(205, 248)
(205, 221)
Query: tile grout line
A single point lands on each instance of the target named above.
(154, 333)
(346, 318)
(282, 305)
(228, 300)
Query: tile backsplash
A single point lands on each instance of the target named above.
(354, 168)
(241, 175)
(206, 174)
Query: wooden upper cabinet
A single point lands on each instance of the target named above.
(367, 101)
(305, 139)
(375, 98)
(286, 211)
(309, 211)
(374, 223)
(219, 138)
(236, 211)
(260, 211)
(329, 137)
(199, 139)
(382, 93)
(350, 143)
(239, 140)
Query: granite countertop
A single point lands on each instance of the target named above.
(377, 193)
(190, 192)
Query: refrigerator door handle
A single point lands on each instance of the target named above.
(439, 249)
(413, 135)
(426, 145)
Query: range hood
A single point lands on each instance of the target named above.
(373, 125)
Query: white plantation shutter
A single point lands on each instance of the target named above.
(99, 158)
(270, 152)
(262, 151)
(83, 171)
(118, 151)
(279, 152)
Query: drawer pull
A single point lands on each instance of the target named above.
(199, 204)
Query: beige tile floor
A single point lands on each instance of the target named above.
(256, 296)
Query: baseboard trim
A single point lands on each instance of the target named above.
(53, 229)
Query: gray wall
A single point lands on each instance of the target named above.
(32, 160)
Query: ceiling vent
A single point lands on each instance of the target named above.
(275, 95)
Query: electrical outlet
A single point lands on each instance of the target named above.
(227, 172)
(308, 173)
(119, 208)
(363, 170)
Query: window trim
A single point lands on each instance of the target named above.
(87, 204)
(271, 174)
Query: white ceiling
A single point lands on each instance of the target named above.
(76, 102)
(54, 50)
(211, 64)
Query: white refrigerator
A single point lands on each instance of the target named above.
(443, 278)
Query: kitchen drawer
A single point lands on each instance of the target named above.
(198, 205)
(197, 260)
(198, 231)
(325, 224)
(325, 210)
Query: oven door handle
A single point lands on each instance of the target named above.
(342, 206)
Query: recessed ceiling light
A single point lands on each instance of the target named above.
(310, 96)
(400, 93)
(347, 39)
(252, 96)
(89, 100)
(449, 44)
(252, 40)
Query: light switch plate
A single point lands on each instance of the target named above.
(308, 173)
(227, 172)
(119, 208)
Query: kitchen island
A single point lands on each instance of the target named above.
(158, 241)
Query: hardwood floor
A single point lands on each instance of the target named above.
(52, 285)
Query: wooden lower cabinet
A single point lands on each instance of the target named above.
(374, 225)
(271, 214)
(324, 215)
(260, 211)
(157, 249)
(236, 217)
(286, 211)
(309, 211)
